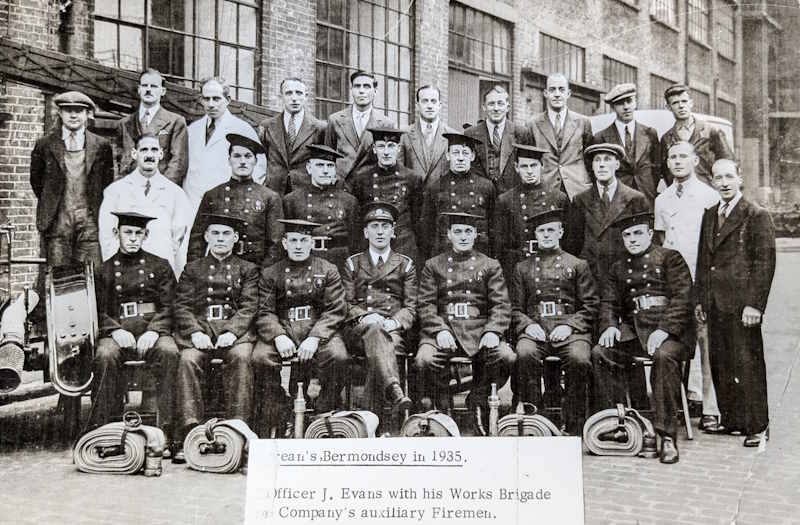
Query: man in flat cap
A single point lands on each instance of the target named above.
(327, 204)
(256, 205)
(286, 136)
(597, 209)
(640, 167)
(709, 142)
(464, 310)
(650, 290)
(216, 302)
(301, 310)
(387, 181)
(457, 191)
(146, 190)
(380, 285)
(348, 129)
(512, 237)
(70, 168)
(135, 295)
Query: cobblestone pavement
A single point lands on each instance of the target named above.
(717, 481)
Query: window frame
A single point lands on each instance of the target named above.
(486, 42)
(699, 21)
(547, 41)
(669, 7)
(728, 49)
(609, 82)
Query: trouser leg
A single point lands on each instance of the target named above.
(577, 364)
(191, 377)
(490, 366)
(433, 375)
(238, 381)
(107, 390)
(331, 364)
(665, 378)
(165, 353)
(610, 371)
(269, 396)
(527, 383)
(710, 407)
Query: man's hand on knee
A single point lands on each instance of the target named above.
(123, 338)
(285, 346)
(655, 341)
(535, 332)
(372, 318)
(445, 340)
(146, 341)
(201, 341)
(489, 340)
(560, 333)
(308, 348)
(225, 340)
(610, 336)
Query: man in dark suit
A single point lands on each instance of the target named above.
(596, 210)
(169, 127)
(709, 143)
(735, 267)
(286, 136)
(70, 168)
(347, 130)
(494, 157)
(640, 168)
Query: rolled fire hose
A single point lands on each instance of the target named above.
(125, 447)
(12, 336)
(430, 424)
(219, 447)
(619, 431)
(523, 424)
(344, 424)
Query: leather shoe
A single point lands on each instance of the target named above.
(716, 428)
(178, 458)
(707, 422)
(669, 451)
(167, 454)
(754, 440)
(400, 401)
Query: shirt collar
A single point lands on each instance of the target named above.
(689, 124)
(552, 115)
(151, 111)
(612, 188)
(298, 121)
(731, 205)
(373, 255)
(434, 124)
(357, 113)
(141, 180)
(80, 135)
(622, 125)
(501, 127)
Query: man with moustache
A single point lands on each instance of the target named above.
(286, 136)
(493, 157)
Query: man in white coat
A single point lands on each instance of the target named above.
(146, 191)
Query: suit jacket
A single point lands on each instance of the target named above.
(287, 166)
(170, 128)
(709, 144)
(341, 136)
(600, 242)
(48, 174)
(429, 166)
(507, 176)
(644, 170)
(562, 165)
(736, 263)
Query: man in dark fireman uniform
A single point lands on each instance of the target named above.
(328, 204)
(463, 311)
(650, 291)
(554, 302)
(256, 205)
(215, 304)
(387, 181)
(301, 310)
(135, 296)
(380, 285)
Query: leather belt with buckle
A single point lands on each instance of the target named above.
(645, 302)
(462, 311)
(299, 313)
(133, 309)
(321, 243)
(547, 308)
(215, 312)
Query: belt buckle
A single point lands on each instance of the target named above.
(547, 308)
(320, 243)
(215, 312)
(532, 245)
(240, 248)
(129, 310)
(460, 310)
(641, 302)
(300, 313)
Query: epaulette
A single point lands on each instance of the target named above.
(350, 260)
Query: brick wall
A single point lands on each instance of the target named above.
(431, 39)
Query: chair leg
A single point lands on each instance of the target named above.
(686, 418)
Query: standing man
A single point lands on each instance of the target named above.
(69, 170)
(650, 290)
(513, 239)
(565, 135)
(735, 268)
(348, 129)
(554, 303)
(457, 191)
(135, 300)
(256, 205)
(679, 213)
(463, 311)
(170, 128)
(709, 143)
(640, 168)
(380, 285)
(326, 204)
(496, 140)
(286, 136)
(423, 145)
(387, 181)
(145, 190)
(208, 147)
(216, 302)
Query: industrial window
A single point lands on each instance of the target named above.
(559, 56)
(372, 35)
(726, 31)
(702, 102)
(699, 16)
(658, 85)
(182, 39)
(726, 110)
(665, 11)
(616, 72)
(479, 42)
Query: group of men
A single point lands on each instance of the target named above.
(307, 242)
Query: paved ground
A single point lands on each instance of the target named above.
(716, 482)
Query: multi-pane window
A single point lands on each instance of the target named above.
(186, 40)
(559, 56)
(658, 85)
(665, 11)
(726, 110)
(479, 41)
(726, 31)
(371, 35)
(699, 16)
(616, 72)
(702, 102)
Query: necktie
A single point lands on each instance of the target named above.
(628, 143)
(558, 124)
(496, 137)
(210, 130)
(292, 131)
(721, 217)
(606, 198)
(428, 134)
(147, 187)
(360, 124)
(679, 190)
(145, 119)
(380, 261)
